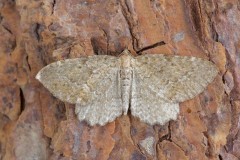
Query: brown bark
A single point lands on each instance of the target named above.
(35, 125)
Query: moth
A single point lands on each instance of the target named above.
(104, 87)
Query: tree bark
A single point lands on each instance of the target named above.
(36, 125)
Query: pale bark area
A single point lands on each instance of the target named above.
(35, 125)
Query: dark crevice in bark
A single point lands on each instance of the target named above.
(168, 136)
(220, 157)
(88, 146)
(29, 67)
(140, 150)
(53, 5)
(101, 47)
(131, 132)
(7, 29)
(215, 35)
(150, 47)
(213, 31)
(225, 83)
(196, 17)
(230, 138)
(178, 146)
(22, 99)
(107, 38)
(36, 31)
(209, 148)
(127, 15)
(165, 137)
(1, 18)
(200, 11)
(60, 113)
(69, 50)
(196, 20)
(130, 125)
(98, 50)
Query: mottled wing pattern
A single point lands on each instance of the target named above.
(101, 113)
(161, 82)
(174, 78)
(90, 82)
(148, 106)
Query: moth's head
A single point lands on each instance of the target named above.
(126, 53)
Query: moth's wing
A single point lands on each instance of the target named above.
(148, 106)
(161, 82)
(91, 82)
(150, 109)
(173, 78)
(99, 113)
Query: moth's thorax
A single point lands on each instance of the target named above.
(126, 67)
(126, 58)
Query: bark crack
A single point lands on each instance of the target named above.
(209, 148)
(106, 35)
(7, 29)
(168, 137)
(131, 136)
(127, 15)
(22, 100)
(200, 10)
(53, 6)
(36, 29)
(151, 46)
(220, 157)
(28, 64)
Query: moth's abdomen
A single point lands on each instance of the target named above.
(126, 81)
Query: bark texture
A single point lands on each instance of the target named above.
(35, 125)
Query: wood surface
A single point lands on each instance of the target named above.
(36, 125)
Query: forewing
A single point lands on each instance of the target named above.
(105, 107)
(173, 79)
(81, 80)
